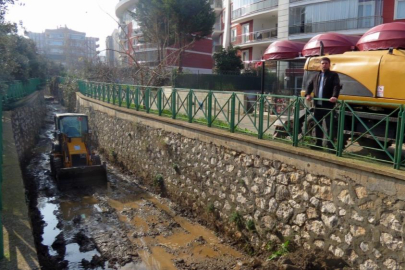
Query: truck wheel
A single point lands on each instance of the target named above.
(371, 143)
(57, 165)
(96, 160)
(56, 147)
(309, 128)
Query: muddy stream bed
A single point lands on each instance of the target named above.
(121, 225)
(116, 226)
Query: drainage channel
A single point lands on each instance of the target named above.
(117, 226)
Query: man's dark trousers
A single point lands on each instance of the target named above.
(319, 114)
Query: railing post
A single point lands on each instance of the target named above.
(147, 100)
(399, 139)
(174, 96)
(119, 95)
(109, 93)
(232, 117)
(113, 94)
(296, 130)
(137, 98)
(190, 106)
(159, 101)
(103, 92)
(209, 105)
(127, 97)
(261, 117)
(341, 129)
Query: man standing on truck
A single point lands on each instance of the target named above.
(325, 85)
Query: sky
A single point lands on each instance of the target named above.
(94, 17)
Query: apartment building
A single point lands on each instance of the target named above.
(112, 49)
(65, 46)
(197, 58)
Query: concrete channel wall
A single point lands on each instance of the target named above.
(353, 209)
(27, 118)
(21, 127)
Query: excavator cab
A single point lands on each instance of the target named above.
(72, 159)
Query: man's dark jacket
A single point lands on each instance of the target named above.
(331, 87)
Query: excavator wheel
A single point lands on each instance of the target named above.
(96, 160)
(56, 165)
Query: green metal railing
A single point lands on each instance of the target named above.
(18, 89)
(1, 180)
(14, 91)
(270, 117)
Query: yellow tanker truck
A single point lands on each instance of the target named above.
(373, 82)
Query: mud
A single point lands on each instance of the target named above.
(123, 226)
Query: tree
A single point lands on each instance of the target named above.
(153, 18)
(192, 20)
(19, 59)
(176, 23)
(228, 60)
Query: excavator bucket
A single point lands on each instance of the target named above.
(95, 175)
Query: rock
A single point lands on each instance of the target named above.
(282, 193)
(357, 230)
(328, 207)
(330, 222)
(284, 212)
(361, 192)
(389, 221)
(312, 213)
(319, 243)
(356, 216)
(273, 205)
(345, 197)
(368, 265)
(392, 264)
(390, 242)
(348, 238)
(317, 227)
(364, 247)
(353, 256)
(300, 219)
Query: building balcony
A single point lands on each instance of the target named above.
(123, 6)
(216, 5)
(217, 30)
(337, 25)
(254, 8)
(141, 47)
(262, 36)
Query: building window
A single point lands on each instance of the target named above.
(80, 37)
(400, 9)
(233, 34)
(56, 42)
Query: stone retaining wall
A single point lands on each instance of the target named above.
(27, 118)
(265, 198)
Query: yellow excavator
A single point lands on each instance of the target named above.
(72, 160)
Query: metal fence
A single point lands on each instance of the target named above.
(289, 119)
(16, 90)
(1, 179)
(13, 91)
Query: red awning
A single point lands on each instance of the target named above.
(333, 43)
(383, 36)
(283, 49)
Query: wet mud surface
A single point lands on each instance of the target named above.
(114, 226)
(120, 225)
